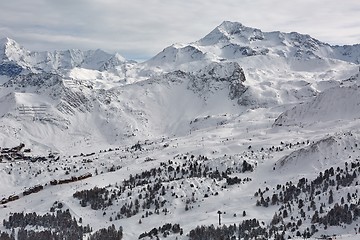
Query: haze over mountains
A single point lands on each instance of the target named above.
(237, 103)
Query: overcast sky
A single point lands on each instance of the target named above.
(138, 29)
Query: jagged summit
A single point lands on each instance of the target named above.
(8, 46)
(5, 40)
(229, 30)
(10, 50)
(231, 27)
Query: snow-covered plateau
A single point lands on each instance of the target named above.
(242, 134)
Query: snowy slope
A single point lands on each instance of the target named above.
(338, 103)
(348, 53)
(117, 110)
(319, 155)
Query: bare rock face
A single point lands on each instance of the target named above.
(217, 76)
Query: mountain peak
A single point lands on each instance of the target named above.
(228, 30)
(231, 27)
(6, 43)
(10, 50)
(6, 40)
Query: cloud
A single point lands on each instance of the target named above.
(140, 29)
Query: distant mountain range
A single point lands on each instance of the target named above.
(12, 54)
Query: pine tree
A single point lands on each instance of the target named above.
(331, 198)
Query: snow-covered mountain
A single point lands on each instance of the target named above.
(13, 53)
(234, 41)
(198, 134)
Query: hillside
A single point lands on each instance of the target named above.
(334, 104)
(257, 130)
